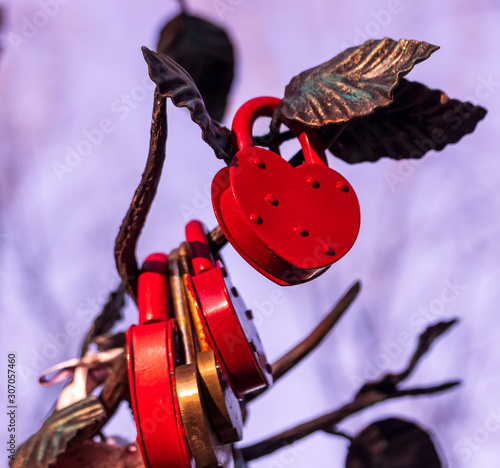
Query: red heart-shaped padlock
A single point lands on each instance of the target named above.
(151, 355)
(289, 223)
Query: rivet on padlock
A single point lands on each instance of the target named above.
(270, 198)
(151, 356)
(231, 333)
(263, 232)
(312, 181)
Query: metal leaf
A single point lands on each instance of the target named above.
(205, 51)
(176, 83)
(392, 443)
(110, 314)
(60, 431)
(418, 120)
(109, 341)
(352, 84)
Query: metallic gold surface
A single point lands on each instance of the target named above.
(207, 450)
(180, 307)
(222, 404)
(185, 263)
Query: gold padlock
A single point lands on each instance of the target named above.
(223, 406)
(208, 451)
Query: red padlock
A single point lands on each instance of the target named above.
(289, 223)
(152, 357)
(227, 323)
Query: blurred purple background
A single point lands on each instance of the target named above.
(428, 247)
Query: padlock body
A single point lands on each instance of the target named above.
(288, 223)
(207, 449)
(151, 362)
(230, 332)
(223, 406)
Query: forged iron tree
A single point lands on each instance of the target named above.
(364, 109)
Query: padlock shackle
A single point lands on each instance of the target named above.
(264, 106)
(153, 298)
(196, 238)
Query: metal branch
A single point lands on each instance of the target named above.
(360, 403)
(389, 382)
(272, 139)
(134, 220)
(334, 431)
(370, 394)
(425, 341)
(183, 6)
(309, 344)
(216, 239)
(303, 349)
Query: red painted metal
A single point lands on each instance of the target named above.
(153, 299)
(289, 223)
(151, 359)
(230, 331)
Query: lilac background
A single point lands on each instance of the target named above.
(436, 225)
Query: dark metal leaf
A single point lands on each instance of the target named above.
(392, 443)
(205, 51)
(352, 84)
(108, 341)
(60, 432)
(174, 82)
(110, 314)
(418, 120)
(115, 388)
(130, 230)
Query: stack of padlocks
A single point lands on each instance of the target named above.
(196, 352)
(194, 355)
